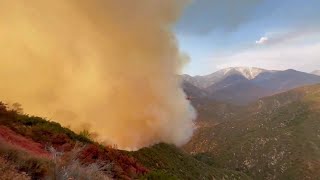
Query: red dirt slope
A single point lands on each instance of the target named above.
(14, 139)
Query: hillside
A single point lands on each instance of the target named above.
(34, 148)
(44, 149)
(168, 159)
(240, 93)
(274, 138)
(316, 72)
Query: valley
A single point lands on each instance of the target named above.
(277, 137)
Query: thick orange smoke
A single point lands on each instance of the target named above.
(110, 65)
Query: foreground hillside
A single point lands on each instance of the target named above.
(43, 149)
(33, 148)
(275, 138)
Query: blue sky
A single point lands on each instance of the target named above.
(271, 34)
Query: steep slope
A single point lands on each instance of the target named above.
(170, 160)
(36, 145)
(247, 72)
(240, 93)
(275, 138)
(193, 91)
(284, 80)
(209, 110)
(316, 72)
(227, 82)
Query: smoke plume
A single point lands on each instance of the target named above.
(107, 65)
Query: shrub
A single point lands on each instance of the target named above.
(85, 134)
(8, 171)
(68, 166)
(35, 167)
(17, 107)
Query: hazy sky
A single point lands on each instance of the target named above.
(272, 34)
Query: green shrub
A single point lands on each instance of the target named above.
(43, 129)
(85, 134)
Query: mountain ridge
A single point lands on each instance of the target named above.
(242, 85)
(210, 79)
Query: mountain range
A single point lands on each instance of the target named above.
(243, 85)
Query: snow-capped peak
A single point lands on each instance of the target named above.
(248, 72)
(211, 79)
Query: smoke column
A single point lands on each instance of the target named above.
(108, 65)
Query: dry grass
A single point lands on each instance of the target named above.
(8, 171)
(35, 167)
(17, 163)
(68, 166)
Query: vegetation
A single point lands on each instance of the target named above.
(275, 138)
(8, 171)
(34, 166)
(32, 133)
(69, 166)
(44, 149)
(175, 163)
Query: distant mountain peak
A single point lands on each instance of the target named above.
(247, 72)
(203, 82)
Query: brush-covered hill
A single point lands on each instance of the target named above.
(277, 137)
(34, 148)
(168, 159)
